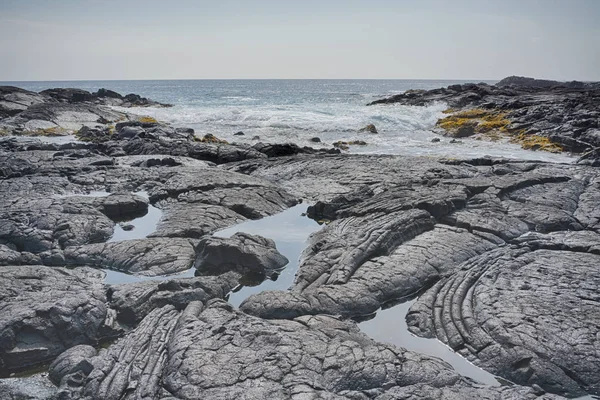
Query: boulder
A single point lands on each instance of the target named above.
(247, 254)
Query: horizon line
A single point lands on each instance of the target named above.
(254, 79)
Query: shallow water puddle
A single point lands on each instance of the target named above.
(141, 227)
(290, 231)
(389, 326)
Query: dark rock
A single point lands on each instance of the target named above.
(435, 140)
(307, 357)
(210, 138)
(75, 360)
(243, 253)
(129, 132)
(107, 93)
(44, 311)
(564, 112)
(369, 128)
(127, 227)
(510, 291)
(13, 100)
(36, 387)
(240, 133)
(315, 140)
(134, 301)
(68, 95)
(538, 83)
(147, 257)
(94, 135)
(510, 245)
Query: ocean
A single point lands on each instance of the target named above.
(296, 111)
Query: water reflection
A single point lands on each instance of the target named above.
(389, 326)
(290, 230)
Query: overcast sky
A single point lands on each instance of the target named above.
(196, 39)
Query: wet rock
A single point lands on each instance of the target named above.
(435, 140)
(369, 128)
(307, 357)
(243, 253)
(45, 310)
(240, 133)
(129, 132)
(210, 138)
(563, 114)
(315, 140)
(127, 227)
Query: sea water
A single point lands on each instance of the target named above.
(296, 111)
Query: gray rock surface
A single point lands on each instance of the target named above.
(217, 353)
(529, 316)
(242, 253)
(502, 254)
(148, 257)
(44, 311)
(475, 214)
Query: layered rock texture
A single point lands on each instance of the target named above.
(503, 257)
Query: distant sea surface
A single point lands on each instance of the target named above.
(298, 110)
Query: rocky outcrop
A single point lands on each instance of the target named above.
(398, 227)
(564, 113)
(102, 96)
(215, 352)
(243, 253)
(501, 254)
(519, 314)
(14, 100)
(45, 311)
(60, 111)
(540, 83)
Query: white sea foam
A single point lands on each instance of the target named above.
(296, 111)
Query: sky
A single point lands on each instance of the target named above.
(279, 39)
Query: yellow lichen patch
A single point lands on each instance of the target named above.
(54, 131)
(148, 120)
(536, 142)
(210, 138)
(469, 122)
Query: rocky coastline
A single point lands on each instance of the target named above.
(501, 256)
(537, 114)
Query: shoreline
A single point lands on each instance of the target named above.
(503, 252)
